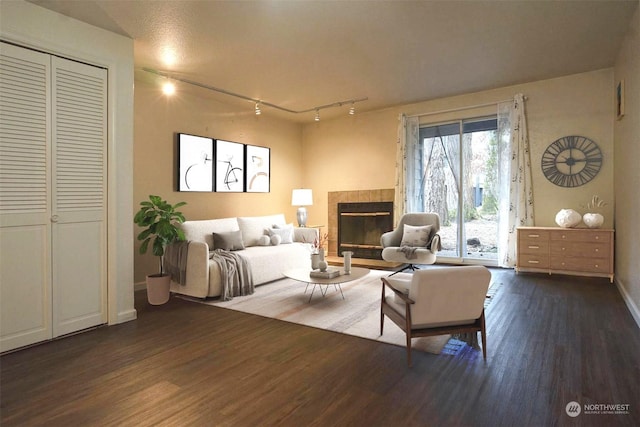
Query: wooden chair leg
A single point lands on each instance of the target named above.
(483, 334)
(382, 311)
(409, 348)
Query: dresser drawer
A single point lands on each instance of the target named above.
(528, 235)
(533, 261)
(581, 235)
(587, 265)
(580, 249)
(533, 247)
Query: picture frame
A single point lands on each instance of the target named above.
(229, 169)
(258, 168)
(195, 163)
(620, 100)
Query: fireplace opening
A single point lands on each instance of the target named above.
(360, 226)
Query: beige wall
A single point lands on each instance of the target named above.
(627, 172)
(357, 153)
(158, 118)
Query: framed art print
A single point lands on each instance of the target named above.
(195, 163)
(229, 176)
(258, 169)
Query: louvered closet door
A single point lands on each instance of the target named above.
(79, 196)
(25, 268)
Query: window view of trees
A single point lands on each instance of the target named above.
(459, 182)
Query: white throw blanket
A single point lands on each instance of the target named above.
(235, 273)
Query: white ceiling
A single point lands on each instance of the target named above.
(302, 54)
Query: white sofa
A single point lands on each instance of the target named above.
(267, 262)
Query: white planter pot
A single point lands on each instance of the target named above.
(593, 220)
(158, 287)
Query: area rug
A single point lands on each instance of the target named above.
(358, 314)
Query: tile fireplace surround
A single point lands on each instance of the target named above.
(335, 197)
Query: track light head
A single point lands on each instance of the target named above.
(168, 88)
(258, 110)
(317, 119)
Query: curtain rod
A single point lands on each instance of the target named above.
(453, 110)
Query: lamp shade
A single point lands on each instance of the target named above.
(302, 197)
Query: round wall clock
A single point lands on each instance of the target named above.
(571, 161)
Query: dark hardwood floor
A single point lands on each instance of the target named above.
(551, 340)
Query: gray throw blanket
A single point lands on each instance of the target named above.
(175, 261)
(408, 251)
(235, 273)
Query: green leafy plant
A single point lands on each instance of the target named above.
(159, 219)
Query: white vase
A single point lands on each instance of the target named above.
(593, 220)
(568, 218)
(315, 261)
(347, 261)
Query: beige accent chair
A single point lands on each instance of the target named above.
(437, 301)
(392, 241)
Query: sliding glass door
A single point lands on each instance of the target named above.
(458, 163)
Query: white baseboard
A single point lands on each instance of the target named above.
(140, 286)
(127, 316)
(631, 305)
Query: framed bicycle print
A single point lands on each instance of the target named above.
(258, 169)
(195, 163)
(229, 176)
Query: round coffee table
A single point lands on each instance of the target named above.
(303, 275)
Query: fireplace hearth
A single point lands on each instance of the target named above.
(360, 226)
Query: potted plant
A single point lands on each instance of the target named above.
(158, 219)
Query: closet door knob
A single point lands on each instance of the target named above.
(54, 218)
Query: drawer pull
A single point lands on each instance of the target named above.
(564, 237)
(596, 266)
(597, 250)
(533, 262)
(597, 237)
(533, 235)
(534, 247)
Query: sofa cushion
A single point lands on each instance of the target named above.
(228, 241)
(254, 226)
(416, 236)
(201, 230)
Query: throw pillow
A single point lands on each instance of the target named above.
(264, 240)
(229, 241)
(415, 236)
(275, 240)
(284, 231)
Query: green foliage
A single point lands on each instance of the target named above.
(159, 219)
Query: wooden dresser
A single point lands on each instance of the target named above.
(576, 251)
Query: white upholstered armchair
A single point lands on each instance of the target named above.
(414, 241)
(437, 301)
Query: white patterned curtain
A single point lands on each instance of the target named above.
(407, 176)
(514, 172)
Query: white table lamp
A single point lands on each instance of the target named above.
(302, 197)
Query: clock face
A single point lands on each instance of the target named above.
(571, 161)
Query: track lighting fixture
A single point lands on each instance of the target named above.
(169, 88)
